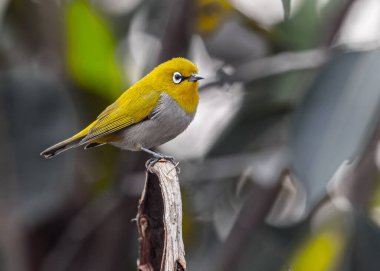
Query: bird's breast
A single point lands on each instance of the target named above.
(166, 121)
(186, 96)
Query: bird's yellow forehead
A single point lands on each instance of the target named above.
(181, 65)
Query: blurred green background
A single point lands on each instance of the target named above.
(279, 170)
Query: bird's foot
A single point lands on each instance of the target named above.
(152, 161)
(157, 157)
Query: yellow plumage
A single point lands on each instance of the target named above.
(155, 97)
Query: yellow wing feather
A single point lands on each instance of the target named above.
(133, 106)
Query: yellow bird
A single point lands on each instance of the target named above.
(151, 112)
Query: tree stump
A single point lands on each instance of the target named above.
(159, 220)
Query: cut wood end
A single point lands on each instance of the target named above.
(165, 167)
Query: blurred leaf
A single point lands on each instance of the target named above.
(219, 186)
(335, 119)
(320, 253)
(210, 14)
(3, 6)
(240, 42)
(218, 22)
(306, 28)
(252, 140)
(287, 5)
(374, 209)
(262, 120)
(91, 51)
(300, 31)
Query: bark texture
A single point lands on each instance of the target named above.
(159, 220)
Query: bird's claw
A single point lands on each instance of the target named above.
(152, 161)
(157, 157)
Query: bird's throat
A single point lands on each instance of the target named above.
(187, 100)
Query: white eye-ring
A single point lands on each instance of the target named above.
(177, 77)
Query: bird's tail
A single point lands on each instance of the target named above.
(72, 142)
(61, 147)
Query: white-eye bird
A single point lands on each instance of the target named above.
(153, 111)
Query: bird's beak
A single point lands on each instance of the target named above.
(195, 77)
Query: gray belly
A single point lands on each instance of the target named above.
(167, 121)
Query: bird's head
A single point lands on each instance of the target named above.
(178, 77)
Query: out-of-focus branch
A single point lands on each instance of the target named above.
(366, 172)
(272, 65)
(159, 221)
(333, 26)
(249, 220)
(178, 31)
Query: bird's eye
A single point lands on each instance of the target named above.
(177, 77)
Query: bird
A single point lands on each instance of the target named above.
(153, 111)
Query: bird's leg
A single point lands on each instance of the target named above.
(158, 156)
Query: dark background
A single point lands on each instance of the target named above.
(279, 170)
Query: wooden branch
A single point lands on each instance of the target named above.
(159, 221)
(271, 66)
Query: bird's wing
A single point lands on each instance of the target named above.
(129, 109)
